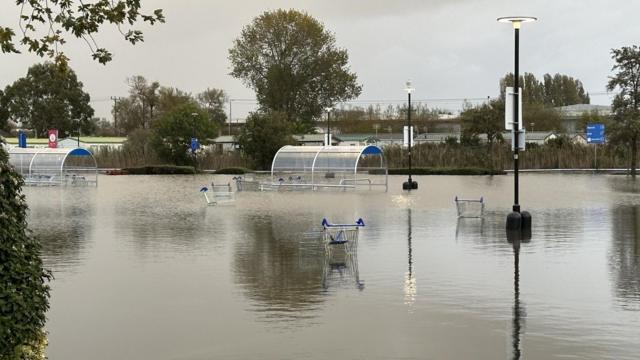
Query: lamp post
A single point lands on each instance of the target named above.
(410, 184)
(328, 110)
(516, 220)
(78, 132)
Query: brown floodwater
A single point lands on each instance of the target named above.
(145, 270)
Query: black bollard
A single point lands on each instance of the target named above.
(526, 220)
(514, 221)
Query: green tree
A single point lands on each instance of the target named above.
(49, 96)
(294, 66)
(44, 25)
(213, 100)
(263, 135)
(24, 292)
(174, 130)
(485, 119)
(625, 128)
(553, 91)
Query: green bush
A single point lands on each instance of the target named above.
(24, 292)
(232, 171)
(446, 171)
(160, 170)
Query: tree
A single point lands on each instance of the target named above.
(263, 135)
(484, 119)
(50, 96)
(553, 91)
(625, 128)
(294, 66)
(24, 292)
(213, 100)
(44, 25)
(174, 130)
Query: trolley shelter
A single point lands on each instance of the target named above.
(315, 167)
(55, 166)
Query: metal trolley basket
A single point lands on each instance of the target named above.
(470, 208)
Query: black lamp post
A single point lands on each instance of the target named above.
(328, 110)
(193, 131)
(516, 220)
(409, 184)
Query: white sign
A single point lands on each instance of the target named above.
(327, 141)
(406, 136)
(508, 109)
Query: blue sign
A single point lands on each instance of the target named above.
(595, 133)
(194, 144)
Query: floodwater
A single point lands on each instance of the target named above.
(144, 270)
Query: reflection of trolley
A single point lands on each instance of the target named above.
(341, 250)
(470, 208)
(220, 194)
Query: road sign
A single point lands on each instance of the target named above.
(595, 134)
(53, 138)
(194, 144)
(508, 109)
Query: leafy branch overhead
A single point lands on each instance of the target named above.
(43, 25)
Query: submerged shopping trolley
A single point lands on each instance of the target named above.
(470, 208)
(341, 251)
(340, 236)
(220, 194)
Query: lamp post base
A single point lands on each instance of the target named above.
(412, 185)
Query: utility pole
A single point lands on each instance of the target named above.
(115, 112)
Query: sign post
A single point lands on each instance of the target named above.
(595, 135)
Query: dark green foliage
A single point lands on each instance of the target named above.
(174, 130)
(625, 129)
(446, 171)
(24, 293)
(553, 91)
(485, 119)
(160, 170)
(293, 64)
(49, 97)
(232, 171)
(263, 135)
(45, 23)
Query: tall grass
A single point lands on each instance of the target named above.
(125, 158)
(500, 157)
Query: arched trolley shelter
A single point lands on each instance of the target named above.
(315, 167)
(47, 166)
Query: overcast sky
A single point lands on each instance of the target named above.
(450, 49)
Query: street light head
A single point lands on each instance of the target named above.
(517, 20)
(408, 87)
(194, 114)
(328, 109)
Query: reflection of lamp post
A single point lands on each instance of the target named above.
(328, 110)
(410, 184)
(516, 219)
(410, 289)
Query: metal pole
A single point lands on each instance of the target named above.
(78, 132)
(230, 101)
(328, 128)
(516, 120)
(410, 138)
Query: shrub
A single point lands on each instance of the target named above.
(24, 292)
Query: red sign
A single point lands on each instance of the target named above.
(53, 138)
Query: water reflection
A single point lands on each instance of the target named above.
(62, 223)
(279, 269)
(624, 258)
(410, 286)
(519, 313)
